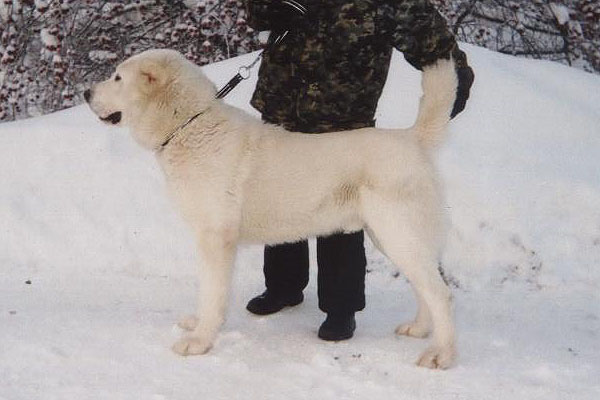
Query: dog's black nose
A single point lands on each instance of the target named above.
(87, 95)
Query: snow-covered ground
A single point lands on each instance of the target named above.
(96, 267)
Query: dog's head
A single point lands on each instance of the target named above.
(150, 93)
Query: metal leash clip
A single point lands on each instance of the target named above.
(233, 82)
(244, 70)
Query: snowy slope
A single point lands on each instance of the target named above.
(95, 266)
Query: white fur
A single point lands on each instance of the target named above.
(236, 179)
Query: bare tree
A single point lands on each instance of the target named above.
(558, 30)
(51, 49)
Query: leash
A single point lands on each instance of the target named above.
(244, 70)
(243, 74)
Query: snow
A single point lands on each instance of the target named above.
(100, 56)
(48, 39)
(561, 12)
(96, 267)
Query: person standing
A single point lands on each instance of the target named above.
(327, 74)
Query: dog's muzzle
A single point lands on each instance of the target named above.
(113, 118)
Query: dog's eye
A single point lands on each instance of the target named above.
(117, 77)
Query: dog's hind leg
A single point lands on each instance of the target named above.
(217, 251)
(421, 326)
(398, 229)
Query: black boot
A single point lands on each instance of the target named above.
(267, 303)
(337, 327)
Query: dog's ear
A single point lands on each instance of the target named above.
(152, 75)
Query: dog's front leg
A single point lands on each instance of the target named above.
(217, 251)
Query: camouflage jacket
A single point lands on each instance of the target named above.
(328, 73)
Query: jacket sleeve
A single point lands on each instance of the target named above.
(258, 14)
(418, 30)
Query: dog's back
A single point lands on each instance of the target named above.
(298, 180)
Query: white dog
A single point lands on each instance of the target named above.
(236, 179)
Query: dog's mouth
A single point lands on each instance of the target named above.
(113, 118)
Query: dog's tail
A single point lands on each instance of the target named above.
(439, 84)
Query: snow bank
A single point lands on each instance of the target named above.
(97, 267)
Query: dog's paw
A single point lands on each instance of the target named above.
(437, 357)
(191, 345)
(413, 329)
(188, 323)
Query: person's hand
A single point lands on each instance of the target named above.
(465, 77)
(287, 15)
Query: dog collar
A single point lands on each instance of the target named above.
(171, 135)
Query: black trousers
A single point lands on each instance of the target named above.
(340, 257)
(341, 275)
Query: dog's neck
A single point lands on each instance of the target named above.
(168, 117)
(175, 132)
